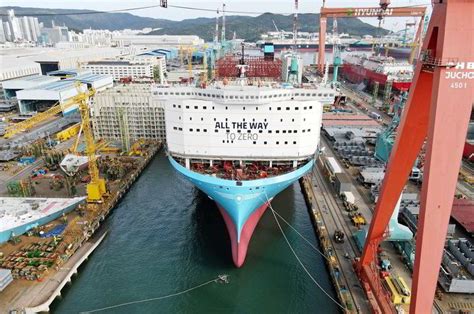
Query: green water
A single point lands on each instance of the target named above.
(165, 237)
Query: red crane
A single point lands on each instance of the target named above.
(379, 12)
(438, 110)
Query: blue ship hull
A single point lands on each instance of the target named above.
(19, 230)
(241, 203)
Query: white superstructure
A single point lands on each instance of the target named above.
(243, 122)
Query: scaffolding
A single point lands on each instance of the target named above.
(127, 113)
(256, 67)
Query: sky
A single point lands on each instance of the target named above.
(274, 6)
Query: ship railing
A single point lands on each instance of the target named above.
(428, 60)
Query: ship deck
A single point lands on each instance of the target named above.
(233, 170)
(17, 211)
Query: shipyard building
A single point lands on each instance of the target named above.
(127, 113)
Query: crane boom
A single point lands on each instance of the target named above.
(43, 116)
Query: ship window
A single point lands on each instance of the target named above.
(310, 107)
(223, 141)
(179, 106)
(239, 131)
(190, 130)
(205, 130)
(295, 131)
(187, 107)
(260, 131)
(278, 131)
(287, 108)
(281, 120)
(202, 119)
(226, 108)
(269, 131)
(277, 143)
(314, 95)
(190, 119)
(249, 131)
(294, 142)
(175, 128)
(265, 96)
(216, 130)
(215, 119)
(226, 119)
(179, 118)
(254, 142)
(244, 108)
(297, 108)
(188, 93)
(246, 96)
(204, 107)
(289, 131)
(252, 97)
(228, 131)
(165, 93)
(195, 107)
(308, 94)
(171, 93)
(319, 95)
(174, 106)
(199, 94)
(278, 108)
(304, 131)
(309, 130)
(304, 108)
(297, 94)
(325, 95)
(198, 130)
(292, 120)
(286, 142)
(270, 96)
(284, 131)
(265, 143)
(241, 97)
(270, 108)
(231, 97)
(212, 107)
(256, 108)
(180, 129)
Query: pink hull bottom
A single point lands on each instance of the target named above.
(239, 249)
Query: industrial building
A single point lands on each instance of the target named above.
(124, 40)
(152, 68)
(45, 96)
(10, 87)
(127, 113)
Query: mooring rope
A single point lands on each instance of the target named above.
(222, 278)
(299, 260)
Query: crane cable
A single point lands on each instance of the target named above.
(299, 260)
(221, 277)
(90, 12)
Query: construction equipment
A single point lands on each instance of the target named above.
(96, 188)
(337, 59)
(438, 110)
(339, 236)
(379, 12)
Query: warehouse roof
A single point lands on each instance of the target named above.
(59, 86)
(28, 82)
(89, 78)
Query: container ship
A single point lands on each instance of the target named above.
(242, 143)
(359, 68)
(18, 215)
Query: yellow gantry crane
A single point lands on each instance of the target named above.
(96, 189)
